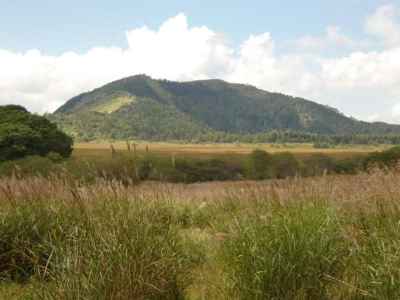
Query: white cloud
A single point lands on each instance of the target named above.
(384, 24)
(332, 38)
(396, 110)
(360, 82)
(373, 118)
(175, 51)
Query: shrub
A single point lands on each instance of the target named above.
(23, 134)
(260, 165)
(348, 166)
(203, 170)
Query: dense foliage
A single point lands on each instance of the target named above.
(23, 134)
(142, 108)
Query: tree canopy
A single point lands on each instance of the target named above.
(23, 134)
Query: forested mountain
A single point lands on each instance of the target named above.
(140, 107)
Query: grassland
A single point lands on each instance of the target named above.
(218, 150)
(329, 237)
(113, 104)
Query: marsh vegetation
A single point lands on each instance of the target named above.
(327, 237)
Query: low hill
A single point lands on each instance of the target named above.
(140, 107)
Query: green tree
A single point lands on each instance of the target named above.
(260, 165)
(23, 134)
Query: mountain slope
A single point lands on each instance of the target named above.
(141, 107)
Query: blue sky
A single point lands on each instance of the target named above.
(344, 54)
(58, 26)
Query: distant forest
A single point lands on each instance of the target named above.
(93, 126)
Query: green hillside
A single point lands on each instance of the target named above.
(143, 108)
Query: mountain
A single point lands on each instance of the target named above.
(140, 107)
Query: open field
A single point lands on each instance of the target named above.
(215, 150)
(329, 237)
(190, 222)
(188, 163)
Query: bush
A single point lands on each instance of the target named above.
(348, 166)
(23, 134)
(260, 165)
(203, 170)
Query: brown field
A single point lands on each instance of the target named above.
(212, 150)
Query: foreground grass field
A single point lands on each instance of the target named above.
(330, 237)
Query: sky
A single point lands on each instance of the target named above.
(344, 53)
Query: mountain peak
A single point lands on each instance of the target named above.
(140, 106)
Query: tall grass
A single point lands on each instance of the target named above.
(96, 249)
(284, 253)
(376, 257)
(331, 237)
(122, 252)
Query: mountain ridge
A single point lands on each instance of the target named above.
(146, 108)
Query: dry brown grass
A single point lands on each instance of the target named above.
(341, 189)
(212, 150)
